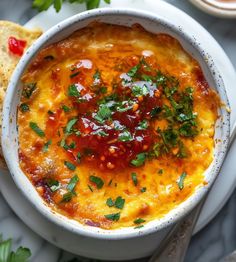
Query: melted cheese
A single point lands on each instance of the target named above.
(104, 46)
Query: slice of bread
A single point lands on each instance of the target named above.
(8, 60)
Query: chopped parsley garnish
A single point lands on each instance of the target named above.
(70, 125)
(73, 91)
(74, 74)
(133, 71)
(119, 202)
(160, 171)
(103, 113)
(78, 157)
(24, 107)
(96, 180)
(97, 75)
(69, 165)
(137, 227)
(155, 111)
(139, 221)
(125, 136)
(53, 184)
(134, 178)
(113, 217)
(36, 129)
(143, 125)
(110, 202)
(28, 90)
(46, 146)
(65, 108)
(143, 189)
(72, 184)
(67, 197)
(140, 159)
(100, 132)
(140, 90)
(90, 188)
(181, 180)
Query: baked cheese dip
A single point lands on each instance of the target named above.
(116, 125)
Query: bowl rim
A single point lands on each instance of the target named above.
(181, 210)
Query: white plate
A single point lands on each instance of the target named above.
(226, 181)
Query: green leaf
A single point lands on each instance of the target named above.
(28, 90)
(143, 125)
(143, 189)
(134, 178)
(46, 146)
(70, 124)
(140, 90)
(73, 91)
(103, 113)
(97, 180)
(36, 129)
(53, 184)
(110, 202)
(139, 221)
(22, 254)
(42, 5)
(119, 202)
(125, 136)
(74, 74)
(181, 181)
(69, 165)
(133, 71)
(57, 5)
(65, 108)
(72, 184)
(140, 159)
(67, 197)
(24, 107)
(91, 4)
(5, 248)
(113, 217)
(97, 75)
(107, 1)
(155, 111)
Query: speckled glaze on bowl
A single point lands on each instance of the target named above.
(127, 242)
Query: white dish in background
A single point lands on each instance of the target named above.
(226, 9)
(224, 184)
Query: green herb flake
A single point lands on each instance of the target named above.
(24, 107)
(110, 202)
(134, 178)
(140, 159)
(113, 217)
(140, 90)
(125, 136)
(69, 165)
(160, 171)
(74, 74)
(133, 71)
(78, 157)
(181, 180)
(67, 197)
(143, 189)
(137, 227)
(73, 91)
(72, 184)
(65, 108)
(36, 129)
(96, 180)
(103, 113)
(28, 90)
(119, 202)
(90, 188)
(155, 111)
(53, 184)
(97, 75)
(70, 125)
(139, 221)
(143, 125)
(46, 146)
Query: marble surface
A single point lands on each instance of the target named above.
(209, 245)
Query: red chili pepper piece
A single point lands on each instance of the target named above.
(16, 46)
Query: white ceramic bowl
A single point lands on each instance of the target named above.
(107, 243)
(224, 9)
